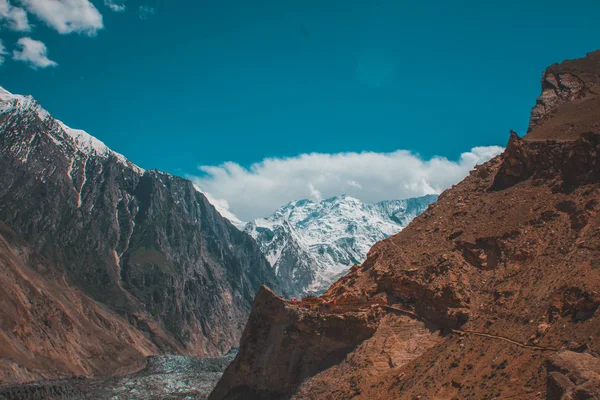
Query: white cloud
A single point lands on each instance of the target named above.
(222, 207)
(34, 53)
(259, 190)
(354, 184)
(145, 12)
(115, 5)
(15, 18)
(3, 52)
(67, 16)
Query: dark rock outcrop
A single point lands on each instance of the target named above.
(311, 342)
(569, 103)
(573, 376)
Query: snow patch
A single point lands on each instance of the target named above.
(83, 181)
(116, 257)
(70, 170)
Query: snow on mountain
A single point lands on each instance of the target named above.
(311, 244)
(84, 143)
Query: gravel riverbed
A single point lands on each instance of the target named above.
(165, 377)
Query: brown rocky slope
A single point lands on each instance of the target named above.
(491, 293)
(51, 329)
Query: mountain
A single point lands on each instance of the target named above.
(51, 329)
(143, 245)
(311, 244)
(491, 293)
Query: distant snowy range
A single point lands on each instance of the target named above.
(310, 244)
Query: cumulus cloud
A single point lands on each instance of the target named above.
(354, 183)
(223, 208)
(67, 16)
(315, 193)
(263, 187)
(145, 12)
(2, 52)
(15, 18)
(34, 53)
(115, 5)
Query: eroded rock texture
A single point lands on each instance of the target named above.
(569, 104)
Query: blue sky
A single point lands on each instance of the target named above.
(192, 83)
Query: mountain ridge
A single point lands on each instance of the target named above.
(310, 243)
(146, 244)
(83, 141)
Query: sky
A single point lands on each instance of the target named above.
(264, 102)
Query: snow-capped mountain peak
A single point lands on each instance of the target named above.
(88, 144)
(310, 244)
(16, 102)
(84, 143)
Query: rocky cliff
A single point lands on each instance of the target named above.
(569, 102)
(145, 244)
(491, 293)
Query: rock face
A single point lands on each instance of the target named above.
(51, 329)
(491, 293)
(568, 105)
(144, 243)
(311, 244)
(573, 375)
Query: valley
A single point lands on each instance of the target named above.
(163, 377)
(119, 282)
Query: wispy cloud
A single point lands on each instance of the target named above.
(145, 12)
(3, 52)
(263, 187)
(14, 18)
(115, 5)
(34, 53)
(67, 16)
